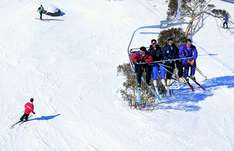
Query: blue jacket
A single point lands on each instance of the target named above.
(226, 18)
(185, 52)
(169, 52)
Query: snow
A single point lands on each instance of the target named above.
(68, 65)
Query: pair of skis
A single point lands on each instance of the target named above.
(17, 123)
(20, 122)
(157, 96)
(197, 83)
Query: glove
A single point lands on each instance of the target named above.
(191, 62)
(33, 112)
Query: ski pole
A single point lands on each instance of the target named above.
(199, 71)
(160, 64)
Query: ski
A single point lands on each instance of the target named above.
(13, 125)
(22, 122)
(138, 95)
(157, 97)
(138, 98)
(185, 82)
(155, 93)
(190, 85)
(195, 81)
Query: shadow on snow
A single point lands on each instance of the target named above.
(230, 1)
(51, 19)
(184, 99)
(49, 117)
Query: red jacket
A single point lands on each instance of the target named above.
(137, 57)
(28, 108)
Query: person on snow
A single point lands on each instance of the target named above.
(158, 71)
(41, 10)
(28, 108)
(142, 61)
(169, 53)
(189, 54)
(226, 19)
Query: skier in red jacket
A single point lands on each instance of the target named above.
(28, 108)
(142, 61)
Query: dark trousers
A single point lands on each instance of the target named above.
(179, 66)
(170, 69)
(225, 24)
(139, 69)
(25, 116)
(40, 16)
(188, 67)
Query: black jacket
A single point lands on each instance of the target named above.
(156, 53)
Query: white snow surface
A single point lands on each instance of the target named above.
(50, 8)
(68, 65)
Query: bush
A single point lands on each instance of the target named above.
(220, 12)
(172, 9)
(130, 85)
(177, 34)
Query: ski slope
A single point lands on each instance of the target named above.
(68, 65)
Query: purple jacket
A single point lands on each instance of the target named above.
(185, 52)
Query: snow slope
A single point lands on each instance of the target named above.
(68, 64)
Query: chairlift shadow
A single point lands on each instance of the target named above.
(56, 14)
(186, 100)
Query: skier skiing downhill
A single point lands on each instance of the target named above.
(189, 51)
(28, 108)
(142, 61)
(225, 23)
(158, 71)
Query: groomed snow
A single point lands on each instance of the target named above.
(68, 64)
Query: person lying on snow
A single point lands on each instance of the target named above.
(142, 61)
(28, 108)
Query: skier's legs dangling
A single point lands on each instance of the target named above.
(155, 72)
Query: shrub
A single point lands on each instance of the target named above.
(220, 12)
(172, 9)
(177, 34)
(130, 85)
